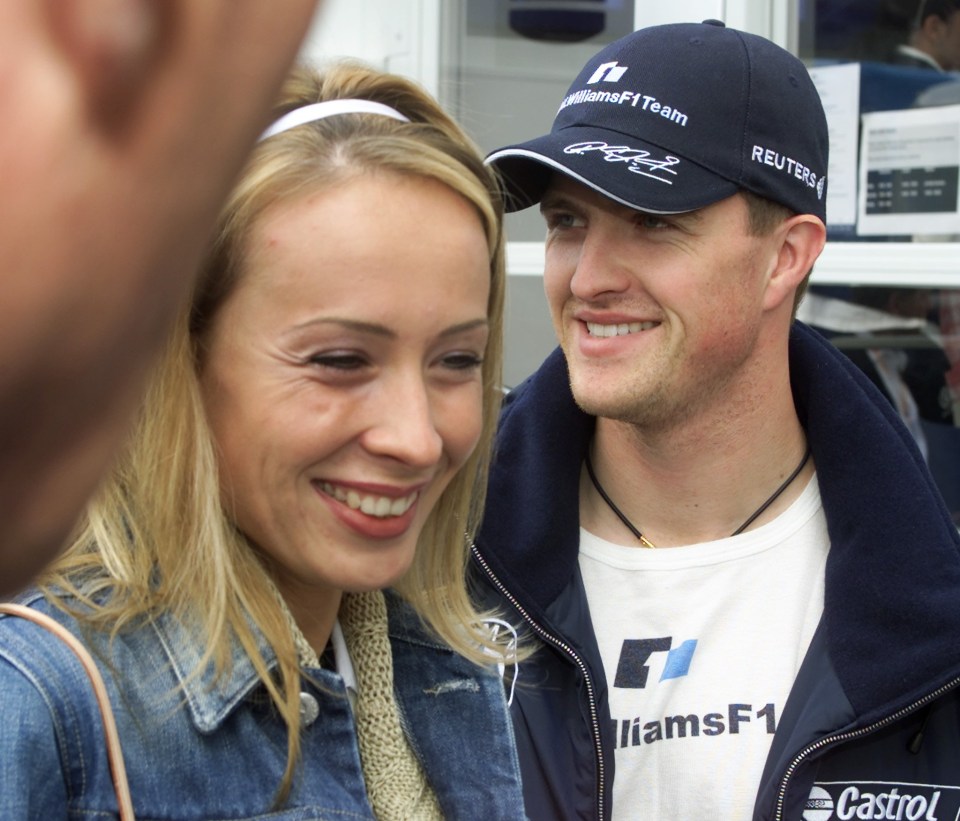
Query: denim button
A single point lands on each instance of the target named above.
(309, 709)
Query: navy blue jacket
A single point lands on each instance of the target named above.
(872, 723)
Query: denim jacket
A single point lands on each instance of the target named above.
(196, 748)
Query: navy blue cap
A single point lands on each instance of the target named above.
(673, 118)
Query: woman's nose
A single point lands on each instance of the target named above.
(403, 426)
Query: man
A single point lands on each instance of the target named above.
(796, 625)
(124, 122)
(934, 40)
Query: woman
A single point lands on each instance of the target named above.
(317, 431)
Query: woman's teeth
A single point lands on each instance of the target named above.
(379, 506)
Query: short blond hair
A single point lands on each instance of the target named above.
(763, 216)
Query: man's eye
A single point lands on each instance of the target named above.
(652, 222)
(560, 219)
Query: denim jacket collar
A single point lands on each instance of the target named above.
(210, 698)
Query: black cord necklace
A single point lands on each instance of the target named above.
(647, 543)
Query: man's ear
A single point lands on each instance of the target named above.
(932, 26)
(111, 46)
(801, 239)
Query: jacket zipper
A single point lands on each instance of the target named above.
(839, 738)
(569, 651)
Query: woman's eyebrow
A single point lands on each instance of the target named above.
(351, 324)
(382, 330)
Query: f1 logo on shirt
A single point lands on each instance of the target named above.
(633, 670)
(608, 72)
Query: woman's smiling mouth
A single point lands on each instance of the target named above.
(381, 507)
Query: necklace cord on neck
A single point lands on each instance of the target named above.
(776, 494)
(620, 514)
(750, 520)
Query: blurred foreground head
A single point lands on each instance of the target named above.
(125, 122)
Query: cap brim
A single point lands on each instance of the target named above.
(638, 175)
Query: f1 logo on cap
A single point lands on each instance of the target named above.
(608, 72)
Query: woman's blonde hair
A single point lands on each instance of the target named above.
(157, 538)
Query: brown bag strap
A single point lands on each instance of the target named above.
(114, 752)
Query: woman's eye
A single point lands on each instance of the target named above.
(338, 361)
(462, 361)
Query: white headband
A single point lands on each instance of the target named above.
(329, 108)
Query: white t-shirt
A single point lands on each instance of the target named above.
(700, 647)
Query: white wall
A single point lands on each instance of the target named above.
(769, 18)
(404, 35)
(401, 36)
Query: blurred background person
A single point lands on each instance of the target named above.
(934, 37)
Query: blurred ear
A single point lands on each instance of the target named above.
(111, 46)
(932, 26)
(801, 239)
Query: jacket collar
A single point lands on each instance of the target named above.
(892, 598)
(919, 57)
(533, 508)
(210, 699)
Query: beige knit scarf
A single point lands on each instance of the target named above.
(396, 785)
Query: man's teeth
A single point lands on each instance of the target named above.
(624, 328)
(379, 506)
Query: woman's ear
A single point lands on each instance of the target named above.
(111, 46)
(801, 239)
